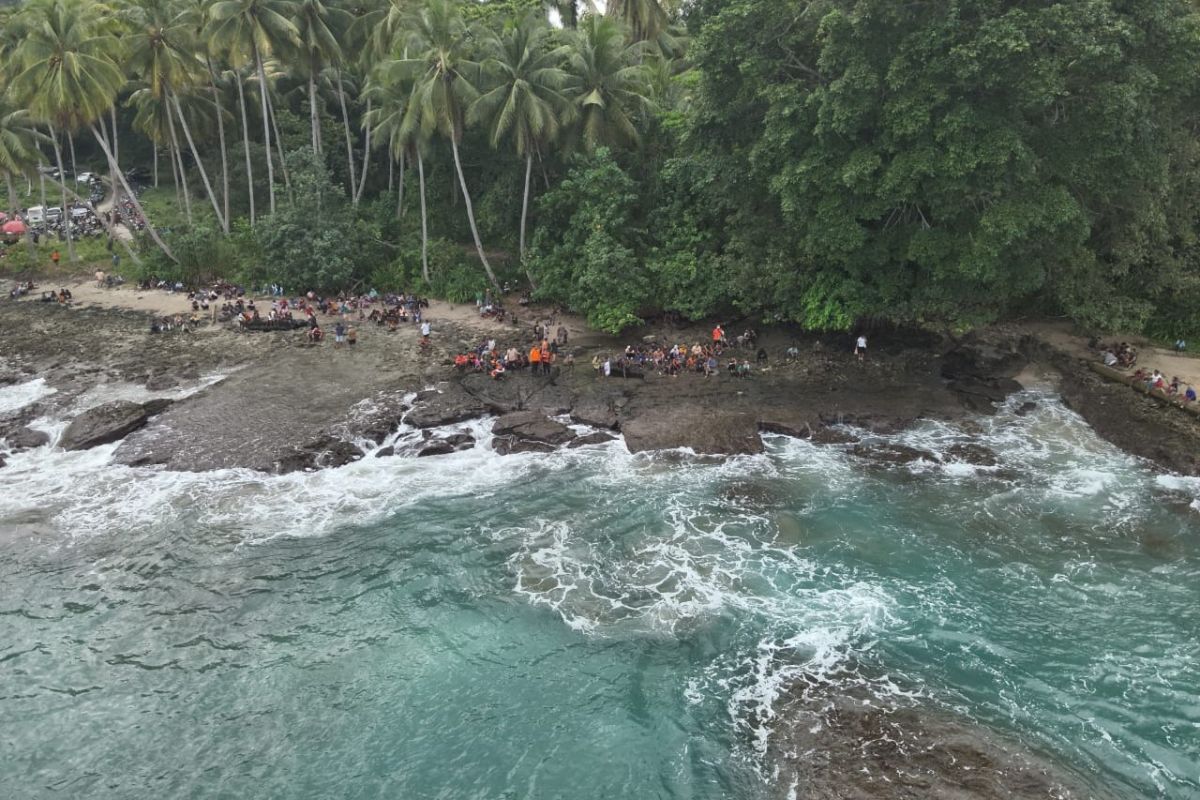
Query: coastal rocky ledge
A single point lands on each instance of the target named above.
(280, 406)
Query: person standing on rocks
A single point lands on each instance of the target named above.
(860, 347)
(339, 334)
(535, 359)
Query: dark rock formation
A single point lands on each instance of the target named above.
(27, 439)
(108, 423)
(528, 431)
(449, 444)
(324, 452)
(384, 452)
(447, 407)
(599, 437)
(973, 454)
(703, 430)
(894, 454)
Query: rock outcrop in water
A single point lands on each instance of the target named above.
(108, 423)
(528, 432)
(833, 745)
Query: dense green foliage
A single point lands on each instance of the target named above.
(827, 162)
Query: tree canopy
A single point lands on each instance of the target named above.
(826, 162)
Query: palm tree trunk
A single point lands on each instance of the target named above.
(266, 120)
(525, 205)
(155, 148)
(362, 183)
(187, 199)
(400, 191)
(137, 205)
(391, 175)
(246, 146)
(175, 176)
(212, 85)
(187, 133)
(116, 147)
(62, 182)
(346, 126)
(424, 226)
(312, 112)
(471, 216)
(71, 144)
(287, 180)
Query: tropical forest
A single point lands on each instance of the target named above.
(945, 163)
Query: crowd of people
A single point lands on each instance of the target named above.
(1155, 380)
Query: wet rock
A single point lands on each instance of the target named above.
(818, 434)
(518, 392)
(381, 419)
(982, 361)
(325, 452)
(533, 426)
(595, 414)
(447, 445)
(703, 430)
(599, 437)
(162, 382)
(27, 439)
(2, 462)
(975, 454)
(830, 746)
(384, 452)
(896, 454)
(508, 445)
(108, 423)
(1026, 408)
(445, 408)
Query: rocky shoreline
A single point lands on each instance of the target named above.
(281, 405)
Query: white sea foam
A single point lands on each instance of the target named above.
(19, 395)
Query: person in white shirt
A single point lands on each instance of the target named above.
(860, 347)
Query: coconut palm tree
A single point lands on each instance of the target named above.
(393, 125)
(646, 19)
(320, 28)
(253, 30)
(69, 77)
(444, 77)
(193, 19)
(19, 139)
(160, 49)
(608, 83)
(523, 101)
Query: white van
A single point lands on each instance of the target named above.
(35, 215)
(54, 214)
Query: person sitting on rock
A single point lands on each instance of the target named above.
(1110, 359)
(761, 356)
(1190, 395)
(744, 369)
(315, 334)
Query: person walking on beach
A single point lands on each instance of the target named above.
(860, 347)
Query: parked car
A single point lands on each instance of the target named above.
(35, 215)
(54, 214)
(86, 177)
(78, 213)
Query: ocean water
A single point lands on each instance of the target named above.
(590, 623)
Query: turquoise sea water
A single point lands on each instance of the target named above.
(588, 624)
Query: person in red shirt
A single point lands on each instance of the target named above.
(718, 334)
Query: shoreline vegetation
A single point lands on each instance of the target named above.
(805, 385)
(827, 164)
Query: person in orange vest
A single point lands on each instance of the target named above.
(535, 358)
(718, 334)
(54, 257)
